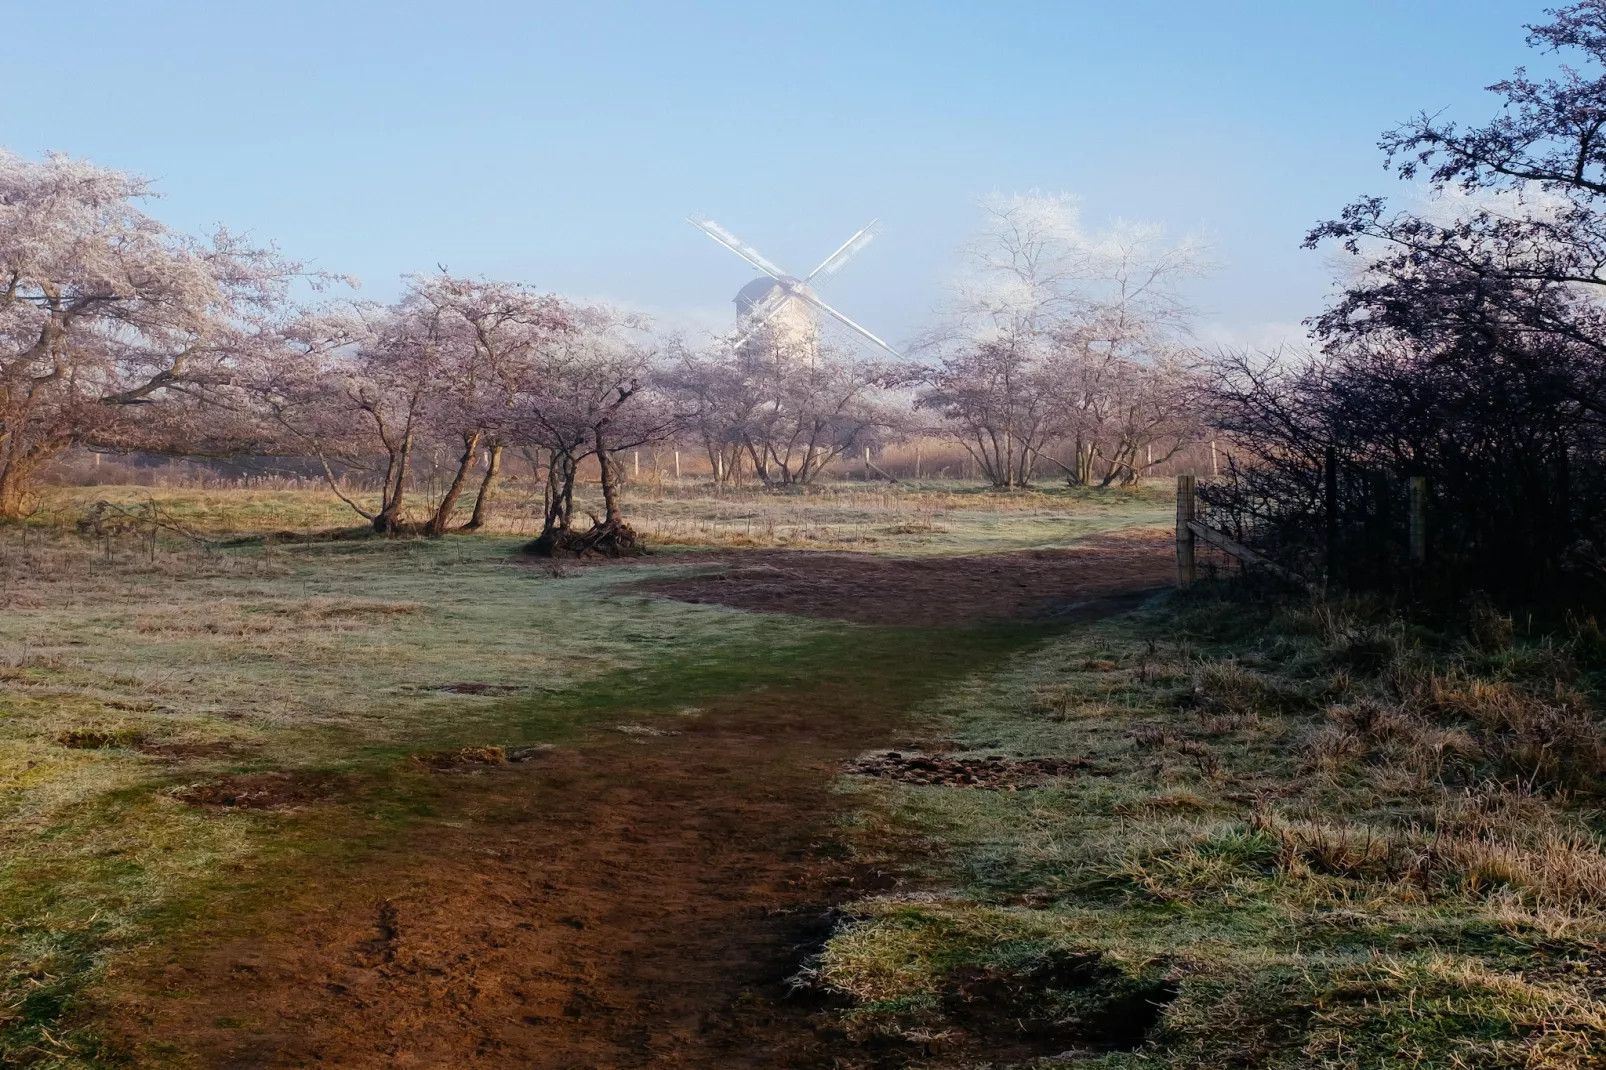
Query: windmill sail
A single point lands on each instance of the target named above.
(787, 298)
(735, 245)
(834, 263)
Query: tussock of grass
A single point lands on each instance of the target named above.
(898, 957)
(1348, 841)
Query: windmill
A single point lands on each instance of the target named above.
(785, 301)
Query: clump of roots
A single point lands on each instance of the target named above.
(610, 538)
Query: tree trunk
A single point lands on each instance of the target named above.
(465, 464)
(716, 460)
(611, 537)
(13, 492)
(560, 476)
(388, 518)
(482, 501)
(610, 483)
(18, 466)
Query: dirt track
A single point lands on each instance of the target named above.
(637, 901)
(929, 591)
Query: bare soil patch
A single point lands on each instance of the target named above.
(994, 773)
(929, 591)
(262, 791)
(101, 739)
(478, 689)
(613, 905)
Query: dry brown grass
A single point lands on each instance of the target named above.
(1347, 840)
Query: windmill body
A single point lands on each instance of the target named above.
(776, 307)
(784, 305)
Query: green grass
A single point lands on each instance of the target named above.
(1336, 839)
(1309, 822)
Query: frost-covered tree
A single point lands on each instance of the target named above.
(1057, 335)
(369, 388)
(786, 406)
(491, 338)
(112, 326)
(588, 394)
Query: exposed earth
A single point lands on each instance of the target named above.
(637, 899)
(930, 591)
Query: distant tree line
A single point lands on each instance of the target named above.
(1062, 354)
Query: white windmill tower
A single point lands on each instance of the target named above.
(785, 303)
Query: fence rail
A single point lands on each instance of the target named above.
(1191, 531)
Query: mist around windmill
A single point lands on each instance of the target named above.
(1135, 602)
(783, 304)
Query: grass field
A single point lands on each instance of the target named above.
(1295, 835)
(126, 679)
(138, 662)
(930, 517)
(1306, 837)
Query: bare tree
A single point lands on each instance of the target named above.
(369, 389)
(492, 336)
(1000, 397)
(1125, 401)
(713, 403)
(353, 389)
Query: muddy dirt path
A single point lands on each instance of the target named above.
(927, 591)
(638, 900)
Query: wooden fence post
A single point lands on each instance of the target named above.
(1330, 509)
(1186, 508)
(1419, 520)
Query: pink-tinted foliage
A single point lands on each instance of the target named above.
(114, 329)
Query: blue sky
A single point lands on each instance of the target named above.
(562, 144)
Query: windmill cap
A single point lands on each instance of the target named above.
(753, 293)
